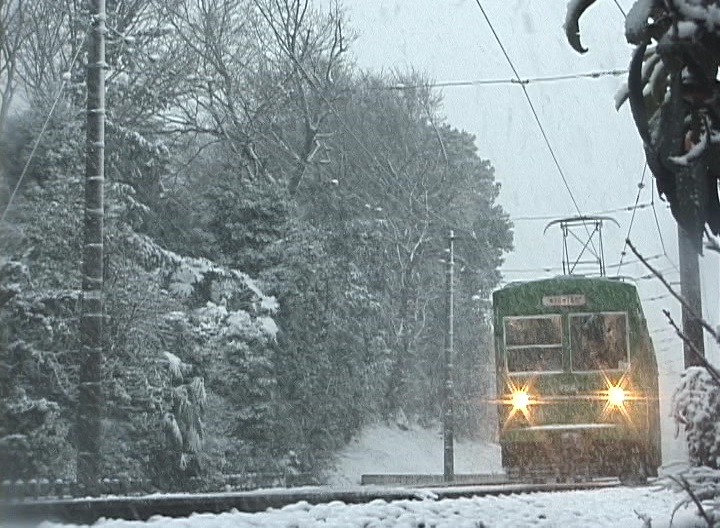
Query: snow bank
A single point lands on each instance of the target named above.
(389, 449)
(611, 508)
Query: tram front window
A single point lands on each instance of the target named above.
(533, 344)
(599, 341)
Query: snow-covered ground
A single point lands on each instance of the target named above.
(383, 449)
(388, 449)
(617, 507)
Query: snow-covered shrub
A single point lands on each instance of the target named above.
(700, 487)
(33, 438)
(36, 385)
(696, 408)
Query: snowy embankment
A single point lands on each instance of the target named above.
(382, 449)
(608, 508)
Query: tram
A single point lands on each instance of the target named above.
(577, 380)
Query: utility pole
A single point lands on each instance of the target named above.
(690, 291)
(90, 394)
(448, 419)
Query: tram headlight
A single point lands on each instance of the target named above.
(520, 400)
(616, 396)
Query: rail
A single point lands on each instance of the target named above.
(89, 509)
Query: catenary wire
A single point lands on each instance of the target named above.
(494, 82)
(620, 8)
(641, 186)
(537, 118)
(655, 298)
(662, 241)
(384, 169)
(558, 268)
(626, 209)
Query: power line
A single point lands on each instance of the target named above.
(651, 276)
(657, 224)
(620, 8)
(641, 185)
(535, 114)
(628, 262)
(625, 209)
(530, 270)
(655, 298)
(556, 268)
(42, 132)
(662, 330)
(494, 82)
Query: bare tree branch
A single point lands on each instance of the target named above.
(699, 355)
(685, 485)
(677, 296)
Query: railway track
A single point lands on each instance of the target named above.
(88, 510)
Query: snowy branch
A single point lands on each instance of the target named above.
(677, 296)
(699, 355)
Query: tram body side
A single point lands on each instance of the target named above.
(577, 379)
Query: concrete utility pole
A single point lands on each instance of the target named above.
(690, 291)
(448, 418)
(90, 394)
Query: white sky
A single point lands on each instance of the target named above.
(597, 147)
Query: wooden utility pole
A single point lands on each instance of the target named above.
(90, 394)
(690, 291)
(448, 393)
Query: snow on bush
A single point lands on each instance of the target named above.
(696, 408)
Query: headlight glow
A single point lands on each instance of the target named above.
(616, 396)
(520, 399)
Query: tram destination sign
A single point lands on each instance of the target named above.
(564, 300)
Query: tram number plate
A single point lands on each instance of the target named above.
(564, 300)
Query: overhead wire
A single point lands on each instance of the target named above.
(657, 223)
(652, 199)
(655, 298)
(364, 147)
(625, 209)
(547, 142)
(628, 262)
(652, 204)
(519, 81)
(513, 80)
(620, 8)
(537, 118)
(641, 186)
(651, 276)
(558, 268)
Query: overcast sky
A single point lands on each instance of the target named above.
(597, 147)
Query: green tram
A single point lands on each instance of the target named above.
(577, 380)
